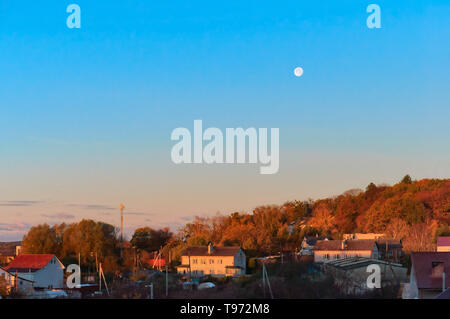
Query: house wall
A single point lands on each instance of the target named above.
(413, 290)
(443, 249)
(49, 277)
(240, 261)
(23, 286)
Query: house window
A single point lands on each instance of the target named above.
(211, 261)
(437, 268)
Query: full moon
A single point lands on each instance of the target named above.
(298, 71)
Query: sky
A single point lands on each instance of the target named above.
(86, 114)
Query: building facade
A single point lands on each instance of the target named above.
(198, 261)
(429, 275)
(327, 250)
(15, 283)
(443, 244)
(45, 270)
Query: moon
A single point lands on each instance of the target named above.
(298, 71)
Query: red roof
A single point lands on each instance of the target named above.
(443, 241)
(157, 262)
(27, 263)
(422, 263)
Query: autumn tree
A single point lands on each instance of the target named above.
(419, 237)
(149, 239)
(91, 240)
(42, 239)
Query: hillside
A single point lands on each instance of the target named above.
(413, 211)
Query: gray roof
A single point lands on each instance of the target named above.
(357, 262)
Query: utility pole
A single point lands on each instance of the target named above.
(266, 278)
(122, 207)
(151, 290)
(102, 276)
(79, 261)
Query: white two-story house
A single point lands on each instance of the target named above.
(44, 270)
(198, 261)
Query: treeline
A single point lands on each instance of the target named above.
(413, 211)
(417, 212)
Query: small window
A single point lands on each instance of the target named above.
(437, 268)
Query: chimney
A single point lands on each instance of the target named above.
(210, 248)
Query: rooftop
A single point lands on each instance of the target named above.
(444, 295)
(422, 263)
(359, 244)
(443, 241)
(29, 262)
(357, 262)
(217, 251)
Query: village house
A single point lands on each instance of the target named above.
(198, 261)
(308, 243)
(390, 250)
(443, 244)
(350, 274)
(327, 250)
(15, 283)
(430, 275)
(45, 270)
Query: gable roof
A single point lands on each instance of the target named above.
(358, 244)
(217, 251)
(443, 241)
(422, 265)
(29, 262)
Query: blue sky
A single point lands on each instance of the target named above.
(86, 115)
